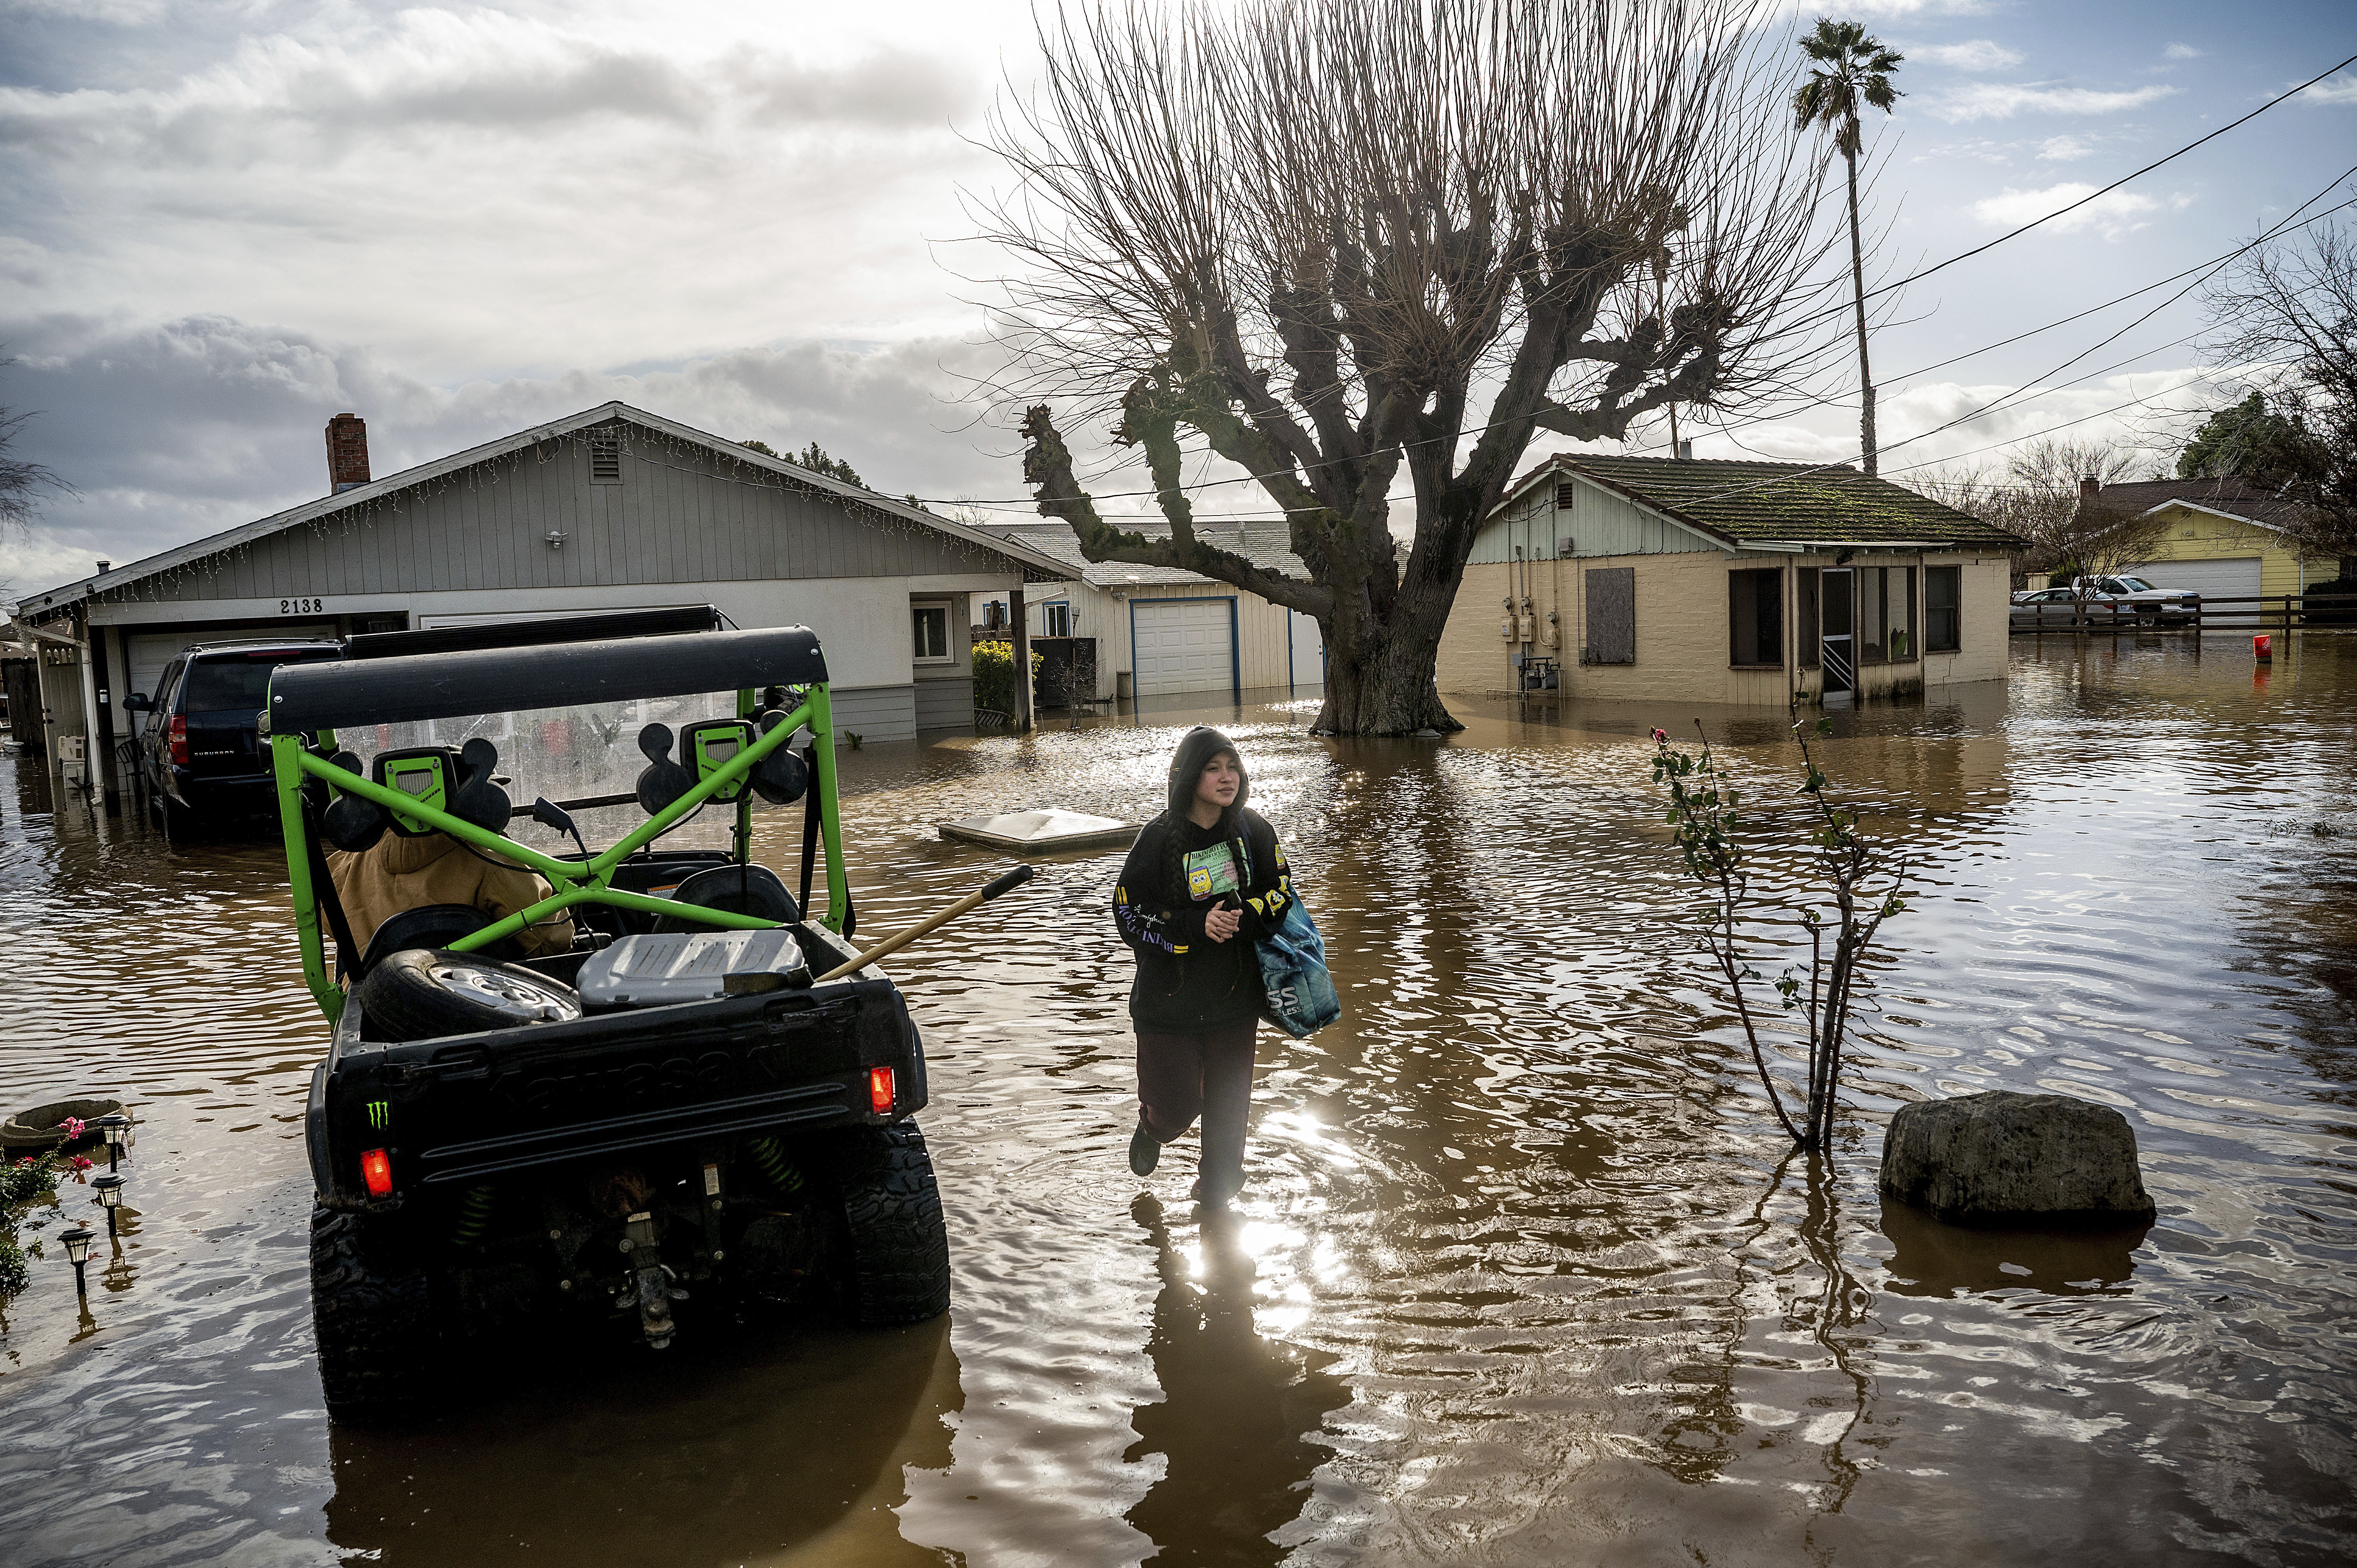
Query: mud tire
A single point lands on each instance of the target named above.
(900, 1244)
(372, 1316)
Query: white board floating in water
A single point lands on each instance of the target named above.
(1045, 830)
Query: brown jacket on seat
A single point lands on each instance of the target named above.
(397, 874)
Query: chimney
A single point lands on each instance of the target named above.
(1685, 451)
(2089, 489)
(348, 466)
(104, 567)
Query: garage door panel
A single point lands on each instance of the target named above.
(1185, 645)
(2229, 577)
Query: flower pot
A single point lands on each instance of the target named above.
(42, 1127)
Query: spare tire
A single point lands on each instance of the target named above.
(422, 994)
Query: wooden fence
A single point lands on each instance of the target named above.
(2257, 612)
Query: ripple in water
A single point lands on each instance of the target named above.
(1521, 1275)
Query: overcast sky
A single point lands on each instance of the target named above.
(226, 222)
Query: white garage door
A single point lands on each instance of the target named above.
(2236, 578)
(1185, 645)
(147, 652)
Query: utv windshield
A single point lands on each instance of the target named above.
(567, 754)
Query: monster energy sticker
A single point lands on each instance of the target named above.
(379, 1113)
(1211, 873)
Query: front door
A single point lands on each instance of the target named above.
(1836, 597)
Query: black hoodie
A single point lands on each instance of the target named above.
(1175, 874)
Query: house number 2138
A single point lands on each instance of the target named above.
(301, 606)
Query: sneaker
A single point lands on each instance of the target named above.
(1145, 1152)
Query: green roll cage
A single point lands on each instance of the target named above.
(572, 881)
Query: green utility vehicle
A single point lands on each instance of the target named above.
(690, 1101)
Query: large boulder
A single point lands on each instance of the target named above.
(2002, 1158)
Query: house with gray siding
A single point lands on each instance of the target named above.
(611, 509)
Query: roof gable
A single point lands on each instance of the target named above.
(1760, 504)
(571, 427)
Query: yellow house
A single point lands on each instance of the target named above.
(2225, 539)
(1718, 582)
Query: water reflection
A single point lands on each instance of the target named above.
(1236, 1424)
(1518, 1278)
(788, 1447)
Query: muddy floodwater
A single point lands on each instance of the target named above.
(1523, 1274)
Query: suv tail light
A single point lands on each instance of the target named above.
(179, 737)
(376, 1170)
(880, 1089)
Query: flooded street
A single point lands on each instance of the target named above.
(1522, 1273)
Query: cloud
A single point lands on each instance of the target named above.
(2333, 90)
(1997, 101)
(2116, 213)
(2180, 51)
(178, 429)
(2062, 149)
(1978, 54)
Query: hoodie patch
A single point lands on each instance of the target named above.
(1211, 873)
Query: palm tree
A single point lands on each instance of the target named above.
(1850, 69)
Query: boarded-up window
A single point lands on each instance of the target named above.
(605, 462)
(1942, 600)
(1805, 641)
(1612, 616)
(1755, 620)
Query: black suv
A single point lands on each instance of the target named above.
(199, 759)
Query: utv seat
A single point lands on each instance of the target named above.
(431, 925)
(754, 890)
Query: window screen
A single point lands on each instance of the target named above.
(1612, 616)
(1873, 614)
(1755, 618)
(1804, 595)
(1942, 594)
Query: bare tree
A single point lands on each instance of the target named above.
(1334, 242)
(2285, 319)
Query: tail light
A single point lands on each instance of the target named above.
(880, 1089)
(179, 736)
(376, 1170)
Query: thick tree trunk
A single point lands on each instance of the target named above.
(1379, 672)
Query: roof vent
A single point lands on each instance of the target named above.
(1563, 493)
(605, 461)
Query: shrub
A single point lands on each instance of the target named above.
(2331, 615)
(993, 675)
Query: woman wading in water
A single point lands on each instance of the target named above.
(1204, 880)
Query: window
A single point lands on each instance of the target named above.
(1755, 618)
(1942, 597)
(931, 623)
(238, 685)
(1885, 614)
(1057, 618)
(1804, 595)
(1612, 616)
(605, 461)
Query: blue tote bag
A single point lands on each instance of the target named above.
(1297, 993)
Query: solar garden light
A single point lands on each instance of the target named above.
(77, 1245)
(109, 1188)
(116, 1127)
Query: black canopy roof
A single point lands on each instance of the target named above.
(405, 688)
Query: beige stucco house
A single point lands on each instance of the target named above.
(1720, 582)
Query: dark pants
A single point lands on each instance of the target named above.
(1181, 1077)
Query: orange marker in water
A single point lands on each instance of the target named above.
(2262, 648)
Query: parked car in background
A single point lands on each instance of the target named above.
(2108, 599)
(201, 762)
